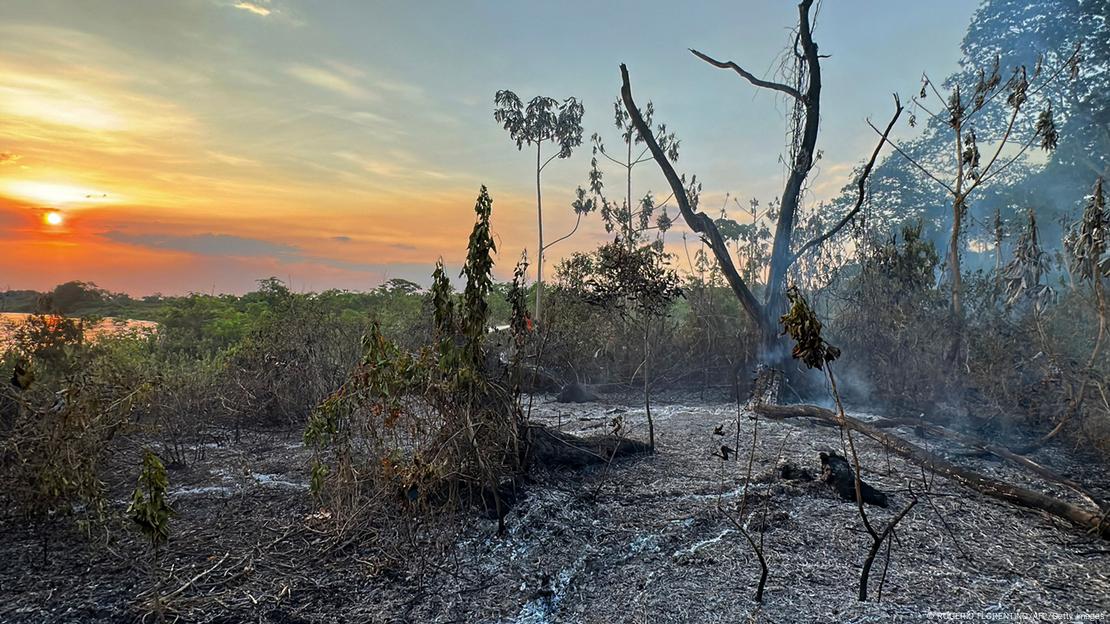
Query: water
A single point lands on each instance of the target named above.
(108, 326)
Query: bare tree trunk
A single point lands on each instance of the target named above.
(764, 315)
(647, 387)
(539, 252)
(781, 256)
(628, 234)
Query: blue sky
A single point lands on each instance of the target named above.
(352, 137)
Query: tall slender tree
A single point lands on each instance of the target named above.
(543, 120)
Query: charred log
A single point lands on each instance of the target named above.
(555, 449)
(838, 473)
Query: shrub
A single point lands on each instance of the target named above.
(72, 400)
(425, 429)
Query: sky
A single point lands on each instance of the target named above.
(201, 145)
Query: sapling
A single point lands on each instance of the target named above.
(801, 323)
(149, 509)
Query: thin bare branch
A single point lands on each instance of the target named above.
(913, 162)
(765, 84)
(861, 184)
(563, 238)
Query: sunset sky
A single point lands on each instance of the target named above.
(198, 145)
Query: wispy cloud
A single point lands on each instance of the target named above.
(257, 9)
(330, 80)
(232, 159)
(8, 158)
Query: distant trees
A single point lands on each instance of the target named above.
(543, 120)
(70, 296)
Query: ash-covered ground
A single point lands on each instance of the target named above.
(643, 540)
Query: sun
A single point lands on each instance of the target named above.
(53, 218)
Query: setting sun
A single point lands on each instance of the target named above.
(53, 218)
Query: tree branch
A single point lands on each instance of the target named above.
(765, 84)
(862, 185)
(913, 162)
(697, 221)
(563, 238)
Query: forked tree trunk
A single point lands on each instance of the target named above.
(764, 315)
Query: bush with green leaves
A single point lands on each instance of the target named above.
(149, 509)
(70, 400)
(423, 429)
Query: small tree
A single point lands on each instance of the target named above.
(629, 221)
(638, 284)
(544, 120)
(149, 509)
(965, 171)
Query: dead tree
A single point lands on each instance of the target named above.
(807, 98)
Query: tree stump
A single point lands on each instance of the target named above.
(837, 472)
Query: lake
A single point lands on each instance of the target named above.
(108, 326)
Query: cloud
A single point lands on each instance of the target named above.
(8, 158)
(205, 244)
(330, 80)
(342, 239)
(232, 159)
(253, 8)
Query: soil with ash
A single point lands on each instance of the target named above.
(641, 540)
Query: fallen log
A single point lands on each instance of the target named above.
(1096, 522)
(999, 451)
(555, 449)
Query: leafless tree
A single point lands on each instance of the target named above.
(806, 95)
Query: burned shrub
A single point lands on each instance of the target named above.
(424, 430)
(68, 401)
(891, 323)
(296, 355)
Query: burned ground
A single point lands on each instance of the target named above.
(640, 540)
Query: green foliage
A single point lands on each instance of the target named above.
(57, 425)
(149, 510)
(631, 280)
(421, 428)
(477, 269)
(629, 217)
(543, 119)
